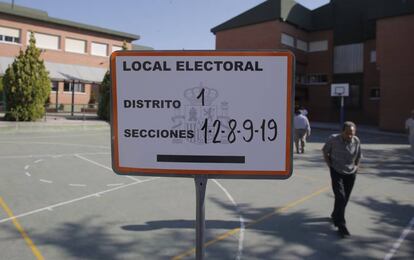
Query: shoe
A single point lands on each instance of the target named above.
(343, 231)
(334, 222)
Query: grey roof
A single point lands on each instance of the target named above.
(344, 16)
(39, 15)
(270, 10)
(60, 71)
(137, 47)
(266, 11)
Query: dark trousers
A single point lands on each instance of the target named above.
(342, 185)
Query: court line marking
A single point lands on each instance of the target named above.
(253, 222)
(48, 155)
(241, 236)
(49, 181)
(45, 181)
(64, 144)
(19, 228)
(46, 137)
(97, 194)
(103, 166)
(78, 155)
(114, 184)
(400, 240)
(242, 225)
(77, 185)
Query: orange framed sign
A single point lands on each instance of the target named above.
(222, 114)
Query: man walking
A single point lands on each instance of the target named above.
(342, 153)
(409, 126)
(302, 130)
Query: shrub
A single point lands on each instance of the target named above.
(104, 94)
(104, 99)
(26, 85)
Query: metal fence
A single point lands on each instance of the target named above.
(67, 111)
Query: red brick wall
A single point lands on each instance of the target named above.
(66, 97)
(267, 35)
(60, 56)
(371, 79)
(395, 58)
(249, 37)
(319, 104)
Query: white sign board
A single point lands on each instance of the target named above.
(183, 113)
(340, 90)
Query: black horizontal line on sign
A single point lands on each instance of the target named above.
(200, 158)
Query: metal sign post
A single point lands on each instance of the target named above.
(72, 110)
(200, 185)
(57, 99)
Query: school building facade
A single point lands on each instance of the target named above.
(76, 55)
(365, 43)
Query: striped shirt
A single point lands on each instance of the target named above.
(343, 155)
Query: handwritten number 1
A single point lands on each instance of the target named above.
(202, 96)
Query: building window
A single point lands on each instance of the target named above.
(318, 46)
(76, 46)
(99, 49)
(302, 45)
(349, 58)
(116, 48)
(312, 79)
(9, 35)
(373, 56)
(79, 87)
(300, 79)
(353, 100)
(54, 86)
(45, 41)
(315, 79)
(374, 93)
(288, 40)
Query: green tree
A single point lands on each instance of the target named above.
(2, 97)
(26, 85)
(1, 86)
(104, 101)
(1, 89)
(105, 93)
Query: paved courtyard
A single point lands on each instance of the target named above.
(59, 199)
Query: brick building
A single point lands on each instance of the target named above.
(366, 43)
(76, 55)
